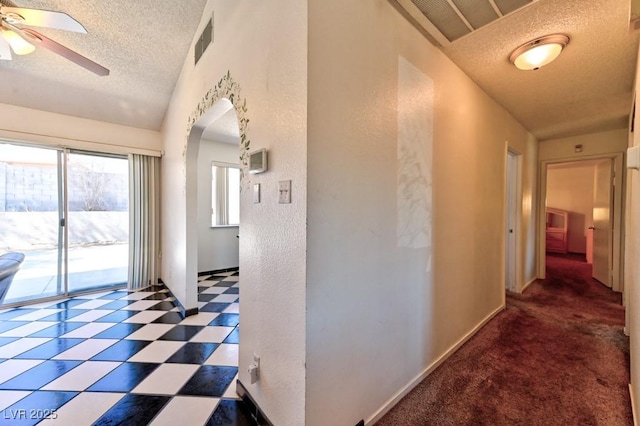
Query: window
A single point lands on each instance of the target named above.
(225, 194)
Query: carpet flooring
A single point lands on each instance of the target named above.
(556, 355)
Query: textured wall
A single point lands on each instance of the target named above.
(593, 144)
(262, 45)
(29, 125)
(382, 309)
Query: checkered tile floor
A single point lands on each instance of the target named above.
(122, 357)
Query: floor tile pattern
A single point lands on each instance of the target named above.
(122, 357)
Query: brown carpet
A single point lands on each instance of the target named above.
(556, 355)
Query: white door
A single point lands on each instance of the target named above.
(602, 236)
(510, 243)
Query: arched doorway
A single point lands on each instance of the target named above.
(219, 101)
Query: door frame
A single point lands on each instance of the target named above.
(617, 281)
(517, 216)
(62, 263)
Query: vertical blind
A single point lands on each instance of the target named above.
(225, 196)
(220, 195)
(144, 226)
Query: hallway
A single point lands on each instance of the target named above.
(556, 355)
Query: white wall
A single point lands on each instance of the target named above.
(263, 45)
(632, 262)
(381, 308)
(218, 246)
(593, 144)
(47, 128)
(571, 189)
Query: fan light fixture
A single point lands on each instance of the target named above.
(23, 40)
(539, 52)
(19, 45)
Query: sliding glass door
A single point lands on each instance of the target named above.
(98, 221)
(31, 212)
(67, 212)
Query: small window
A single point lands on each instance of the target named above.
(225, 194)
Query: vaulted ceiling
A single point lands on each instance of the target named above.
(144, 44)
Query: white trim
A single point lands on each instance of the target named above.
(517, 225)
(420, 377)
(223, 164)
(633, 406)
(617, 282)
(526, 286)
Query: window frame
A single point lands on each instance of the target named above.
(221, 195)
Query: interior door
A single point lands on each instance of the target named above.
(510, 231)
(602, 235)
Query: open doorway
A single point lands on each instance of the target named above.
(581, 218)
(213, 224)
(213, 211)
(219, 196)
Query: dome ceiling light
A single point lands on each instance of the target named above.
(539, 52)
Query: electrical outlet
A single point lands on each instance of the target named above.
(284, 192)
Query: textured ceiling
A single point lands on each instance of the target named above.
(143, 42)
(587, 89)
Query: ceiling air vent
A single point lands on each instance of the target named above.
(445, 21)
(204, 40)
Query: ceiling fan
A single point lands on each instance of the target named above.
(22, 40)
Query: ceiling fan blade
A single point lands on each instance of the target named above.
(5, 49)
(41, 18)
(63, 51)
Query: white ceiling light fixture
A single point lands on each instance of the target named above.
(539, 52)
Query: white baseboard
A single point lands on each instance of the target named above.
(528, 284)
(633, 406)
(420, 377)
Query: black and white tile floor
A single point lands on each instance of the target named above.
(122, 357)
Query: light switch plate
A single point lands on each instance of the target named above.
(284, 192)
(633, 158)
(256, 193)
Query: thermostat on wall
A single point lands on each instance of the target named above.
(258, 161)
